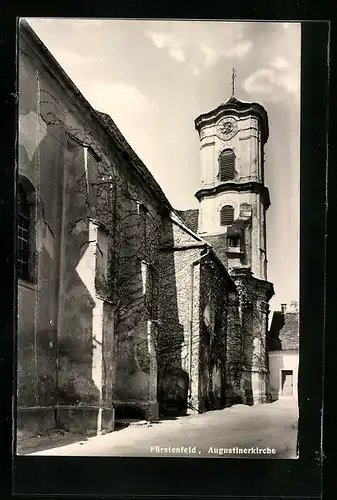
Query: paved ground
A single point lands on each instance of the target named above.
(269, 426)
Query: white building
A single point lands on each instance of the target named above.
(283, 354)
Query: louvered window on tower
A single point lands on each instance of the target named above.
(226, 215)
(226, 165)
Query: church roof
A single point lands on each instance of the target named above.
(219, 244)
(284, 331)
(233, 100)
(190, 218)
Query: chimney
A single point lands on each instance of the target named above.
(283, 308)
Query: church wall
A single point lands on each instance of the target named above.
(39, 165)
(213, 336)
(179, 290)
(234, 351)
(83, 299)
(254, 295)
(138, 290)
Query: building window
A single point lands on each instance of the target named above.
(150, 288)
(226, 215)
(226, 165)
(141, 209)
(23, 235)
(233, 241)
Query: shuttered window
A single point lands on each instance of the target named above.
(226, 215)
(226, 165)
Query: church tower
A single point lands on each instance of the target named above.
(233, 198)
(232, 218)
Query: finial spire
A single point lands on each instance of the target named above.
(233, 81)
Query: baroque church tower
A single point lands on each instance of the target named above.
(232, 217)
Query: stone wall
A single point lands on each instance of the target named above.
(40, 164)
(88, 303)
(234, 351)
(135, 268)
(213, 335)
(178, 332)
(254, 295)
(197, 323)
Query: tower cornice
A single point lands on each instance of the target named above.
(251, 186)
(235, 107)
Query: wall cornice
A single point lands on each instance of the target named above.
(238, 109)
(254, 187)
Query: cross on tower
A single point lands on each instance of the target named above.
(233, 81)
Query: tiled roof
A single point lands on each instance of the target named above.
(219, 245)
(217, 241)
(190, 218)
(284, 331)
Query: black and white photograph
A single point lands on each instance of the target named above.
(158, 214)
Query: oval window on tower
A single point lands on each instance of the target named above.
(226, 215)
(226, 165)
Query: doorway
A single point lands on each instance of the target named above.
(287, 382)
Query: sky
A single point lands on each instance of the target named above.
(155, 77)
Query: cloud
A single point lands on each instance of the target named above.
(239, 50)
(177, 53)
(289, 82)
(279, 63)
(161, 40)
(271, 85)
(210, 55)
(260, 82)
(165, 40)
(178, 44)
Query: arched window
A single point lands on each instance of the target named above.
(226, 215)
(23, 235)
(226, 165)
